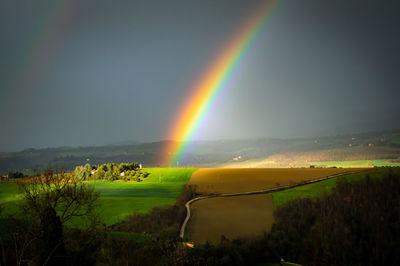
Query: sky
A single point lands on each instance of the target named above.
(96, 72)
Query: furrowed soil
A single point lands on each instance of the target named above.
(245, 215)
(222, 180)
(238, 216)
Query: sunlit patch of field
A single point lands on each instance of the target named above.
(9, 197)
(239, 216)
(222, 180)
(118, 200)
(359, 163)
(318, 189)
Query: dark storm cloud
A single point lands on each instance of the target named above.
(119, 70)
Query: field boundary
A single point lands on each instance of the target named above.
(265, 191)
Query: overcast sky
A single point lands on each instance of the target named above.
(99, 72)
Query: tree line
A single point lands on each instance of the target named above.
(111, 172)
(16, 174)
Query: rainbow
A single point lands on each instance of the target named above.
(211, 84)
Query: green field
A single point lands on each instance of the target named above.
(320, 188)
(395, 140)
(361, 163)
(120, 199)
(9, 197)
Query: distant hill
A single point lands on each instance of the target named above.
(125, 142)
(270, 151)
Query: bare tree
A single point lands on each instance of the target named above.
(59, 191)
(50, 200)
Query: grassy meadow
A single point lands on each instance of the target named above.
(320, 188)
(9, 197)
(395, 140)
(160, 188)
(357, 164)
(120, 199)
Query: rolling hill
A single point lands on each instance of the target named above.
(262, 152)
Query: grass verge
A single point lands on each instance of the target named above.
(320, 188)
(360, 163)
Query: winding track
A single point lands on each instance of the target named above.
(188, 210)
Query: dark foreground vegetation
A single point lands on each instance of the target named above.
(357, 224)
(37, 233)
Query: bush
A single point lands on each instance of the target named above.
(111, 172)
(15, 175)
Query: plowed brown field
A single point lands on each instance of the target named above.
(239, 216)
(223, 180)
(246, 215)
